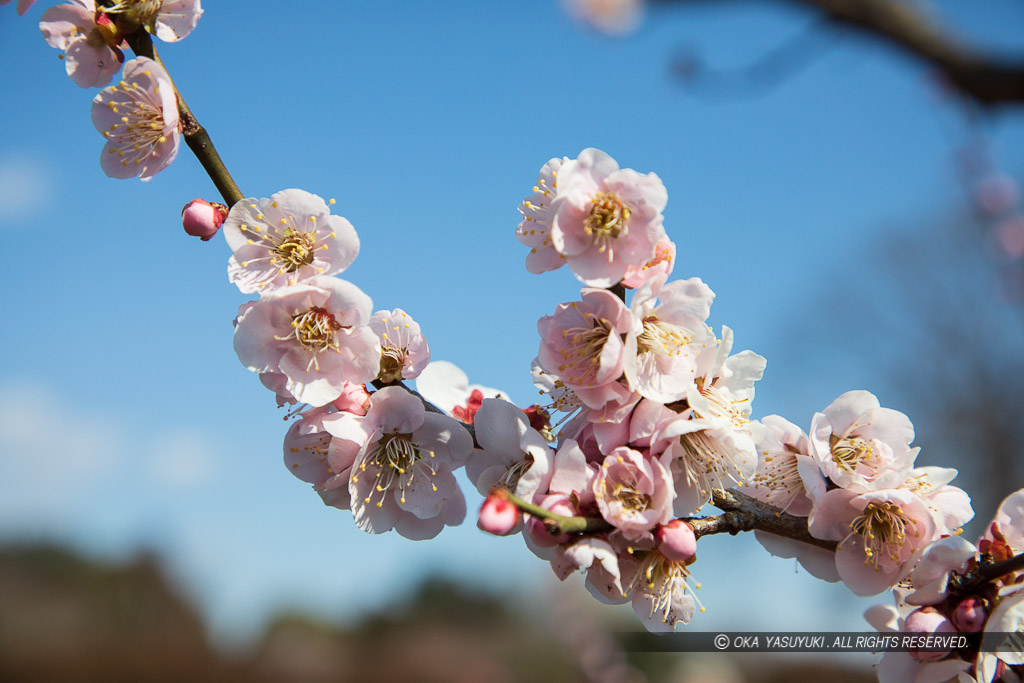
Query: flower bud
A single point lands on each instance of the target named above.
(676, 541)
(970, 615)
(560, 505)
(354, 399)
(202, 219)
(498, 515)
(928, 620)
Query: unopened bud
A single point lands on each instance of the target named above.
(970, 615)
(676, 541)
(927, 621)
(203, 219)
(498, 515)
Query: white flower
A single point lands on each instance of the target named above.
(404, 349)
(513, 455)
(285, 240)
(139, 119)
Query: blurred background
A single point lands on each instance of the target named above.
(858, 223)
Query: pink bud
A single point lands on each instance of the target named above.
(560, 505)
(202, 219)
(928, 620)
(970, 615)
(676, 541)
(354, 399)
(498, 515)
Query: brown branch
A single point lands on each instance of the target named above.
(743, 513)
(196, 137)
(987, 78)
(985, 573)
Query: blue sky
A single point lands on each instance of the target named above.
(125, 419)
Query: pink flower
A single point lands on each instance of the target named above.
(314, 334)
(203, 219)
(784, 466)
(89, 40)
(581, 344)
(663, 346)
(23, 5)
(512, 456)
(285, 240)
(446, 386)
(535, 229)
(404, 349)
(170, 20)
(659, 266)
(307, 449)
(498, 515)
(676, 541)
(400, 461)
(139, 119)
(879, 533)
(634, 493)
(606, 219)
(861, 446)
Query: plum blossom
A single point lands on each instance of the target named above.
(879, 532)
(446, 386)
(713, 443)
(513, 455)
(666, 339)
(535, 229)
(307, 448)
(659, 266)
(785, 465)
(169, 20)
(23, 5)
(499, 515)
(400, 460)
(314, 334)
(89, 39)
(605, 219)
(633, 492)
(139, 119)
(861, 446)
(581, 344)
(285, 240)
(404, 349)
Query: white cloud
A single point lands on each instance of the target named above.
(25, 184)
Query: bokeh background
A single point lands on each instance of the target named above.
(825, 187)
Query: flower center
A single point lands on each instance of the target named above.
(630, 498)
(665, 581)
(722, 404)
(392, 359)
(316, 330)
(140, 129)
(706, 462)
(582, 352)
(661, 338)
(883, 526)
(851, 451)
(514, 473)
(781, 477)
(397, 461)
(607, 219)
(295, 249)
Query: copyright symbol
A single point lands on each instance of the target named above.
(721, 641)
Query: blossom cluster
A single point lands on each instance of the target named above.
(945, 594)
(313, 341)
(654, 414)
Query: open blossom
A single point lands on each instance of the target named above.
(861, 446)
(713, 444)
(663, 346)
(314, 334)
(399, 460)
(535, 229)
(169, 20)
(512, 456)
(90, 41)
(403, 348)
(446, 386)
(660, 265)
(139, 119)
(581, 344)
(784, 466)
(633, 492)
(286, 239)
(604, 219)
(879, 532)
(23, 5)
